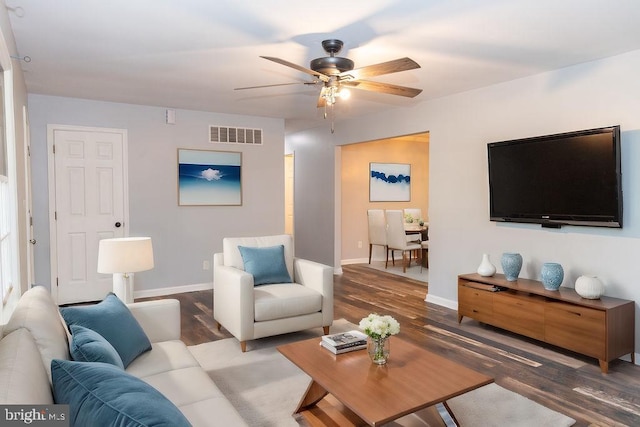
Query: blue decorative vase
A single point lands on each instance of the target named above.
(552, 275)
(511, 265)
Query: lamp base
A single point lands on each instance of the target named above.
(123, 286)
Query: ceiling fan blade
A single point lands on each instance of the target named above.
(277, 84)
(395, 66)
(316, 74)
(409, 92)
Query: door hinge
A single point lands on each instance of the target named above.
(54, 149)
(30, 220)
(57, 284)
(55, 215)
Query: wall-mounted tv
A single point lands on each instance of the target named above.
(571, 178)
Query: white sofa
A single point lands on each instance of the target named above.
(249, 312)
(35, 334)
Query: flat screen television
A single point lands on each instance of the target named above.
(571, 178)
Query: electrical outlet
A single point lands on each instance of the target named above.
(359, 244)
(205, 265)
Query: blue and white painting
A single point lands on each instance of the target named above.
(209, 178)
(389, 182)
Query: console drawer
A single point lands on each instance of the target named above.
(576, 328)
(475, 303)
(520, 314)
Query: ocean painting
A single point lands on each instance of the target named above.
(389, 182)
(208, 178)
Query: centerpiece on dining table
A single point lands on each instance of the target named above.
(379, 328)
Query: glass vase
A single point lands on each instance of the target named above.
(379, 350)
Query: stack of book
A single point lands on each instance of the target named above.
(344, 342)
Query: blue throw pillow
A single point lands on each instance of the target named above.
(113, 320)
(89, 346)
(99, 394)
(266, 264)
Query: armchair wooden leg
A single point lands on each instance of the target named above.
(325, 329)
(218, 325)
(243, 346)
(370, 249)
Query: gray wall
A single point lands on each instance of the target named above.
(183, 236)
(589, 95)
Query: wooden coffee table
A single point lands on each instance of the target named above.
(412, 379)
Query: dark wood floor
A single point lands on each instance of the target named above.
(561, 380)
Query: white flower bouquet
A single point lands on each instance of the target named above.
(379, 327)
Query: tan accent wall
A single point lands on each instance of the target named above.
(411, 149)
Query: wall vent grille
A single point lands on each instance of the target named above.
(229, 135)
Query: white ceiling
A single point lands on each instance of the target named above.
(191, 54)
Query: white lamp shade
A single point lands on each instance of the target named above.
(125, 255)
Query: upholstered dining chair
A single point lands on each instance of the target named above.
(261, 289)
(397, 238)
(377, 231)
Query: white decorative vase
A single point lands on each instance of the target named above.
(589, 287)
(486, 269)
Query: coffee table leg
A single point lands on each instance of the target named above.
(315, 392)
(448, 417)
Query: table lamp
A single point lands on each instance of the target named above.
(122, 256)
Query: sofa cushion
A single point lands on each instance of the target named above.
(164, 356)
(99, 394)
(265, 264)
(283, 300)
(89, 346)
(23, 379)
(113, 320)
(37, 313)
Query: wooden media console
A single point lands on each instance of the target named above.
(602, 328)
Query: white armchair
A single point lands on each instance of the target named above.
(249, 312)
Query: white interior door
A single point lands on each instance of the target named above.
(28, 201)
(89, 205)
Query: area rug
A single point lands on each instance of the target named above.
(265, 387)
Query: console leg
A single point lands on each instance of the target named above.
(604, 366)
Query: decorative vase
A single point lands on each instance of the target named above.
(379, 349)
(486, 269)
(589, 287)
(511, 265)
(552, 275)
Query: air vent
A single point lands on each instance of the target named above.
(229, 135)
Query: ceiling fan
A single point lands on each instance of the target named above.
(335, 74)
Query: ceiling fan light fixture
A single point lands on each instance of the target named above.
(344, 93)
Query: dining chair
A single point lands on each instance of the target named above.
(377, 231)
(397, 238)
(425, 255)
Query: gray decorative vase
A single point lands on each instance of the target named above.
(552, 275)
(511, 265)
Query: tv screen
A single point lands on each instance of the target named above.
(571, 178)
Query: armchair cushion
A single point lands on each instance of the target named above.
(266, 264)
(279, 301)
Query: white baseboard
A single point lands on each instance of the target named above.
(354, 261)
(453, 305)
(173, 290)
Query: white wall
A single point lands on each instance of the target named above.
(589, 95)
(183, 236)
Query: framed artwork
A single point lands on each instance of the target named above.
(389, 182)
(209, 178)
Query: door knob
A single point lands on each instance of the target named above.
(118, 224)
(32, 241)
